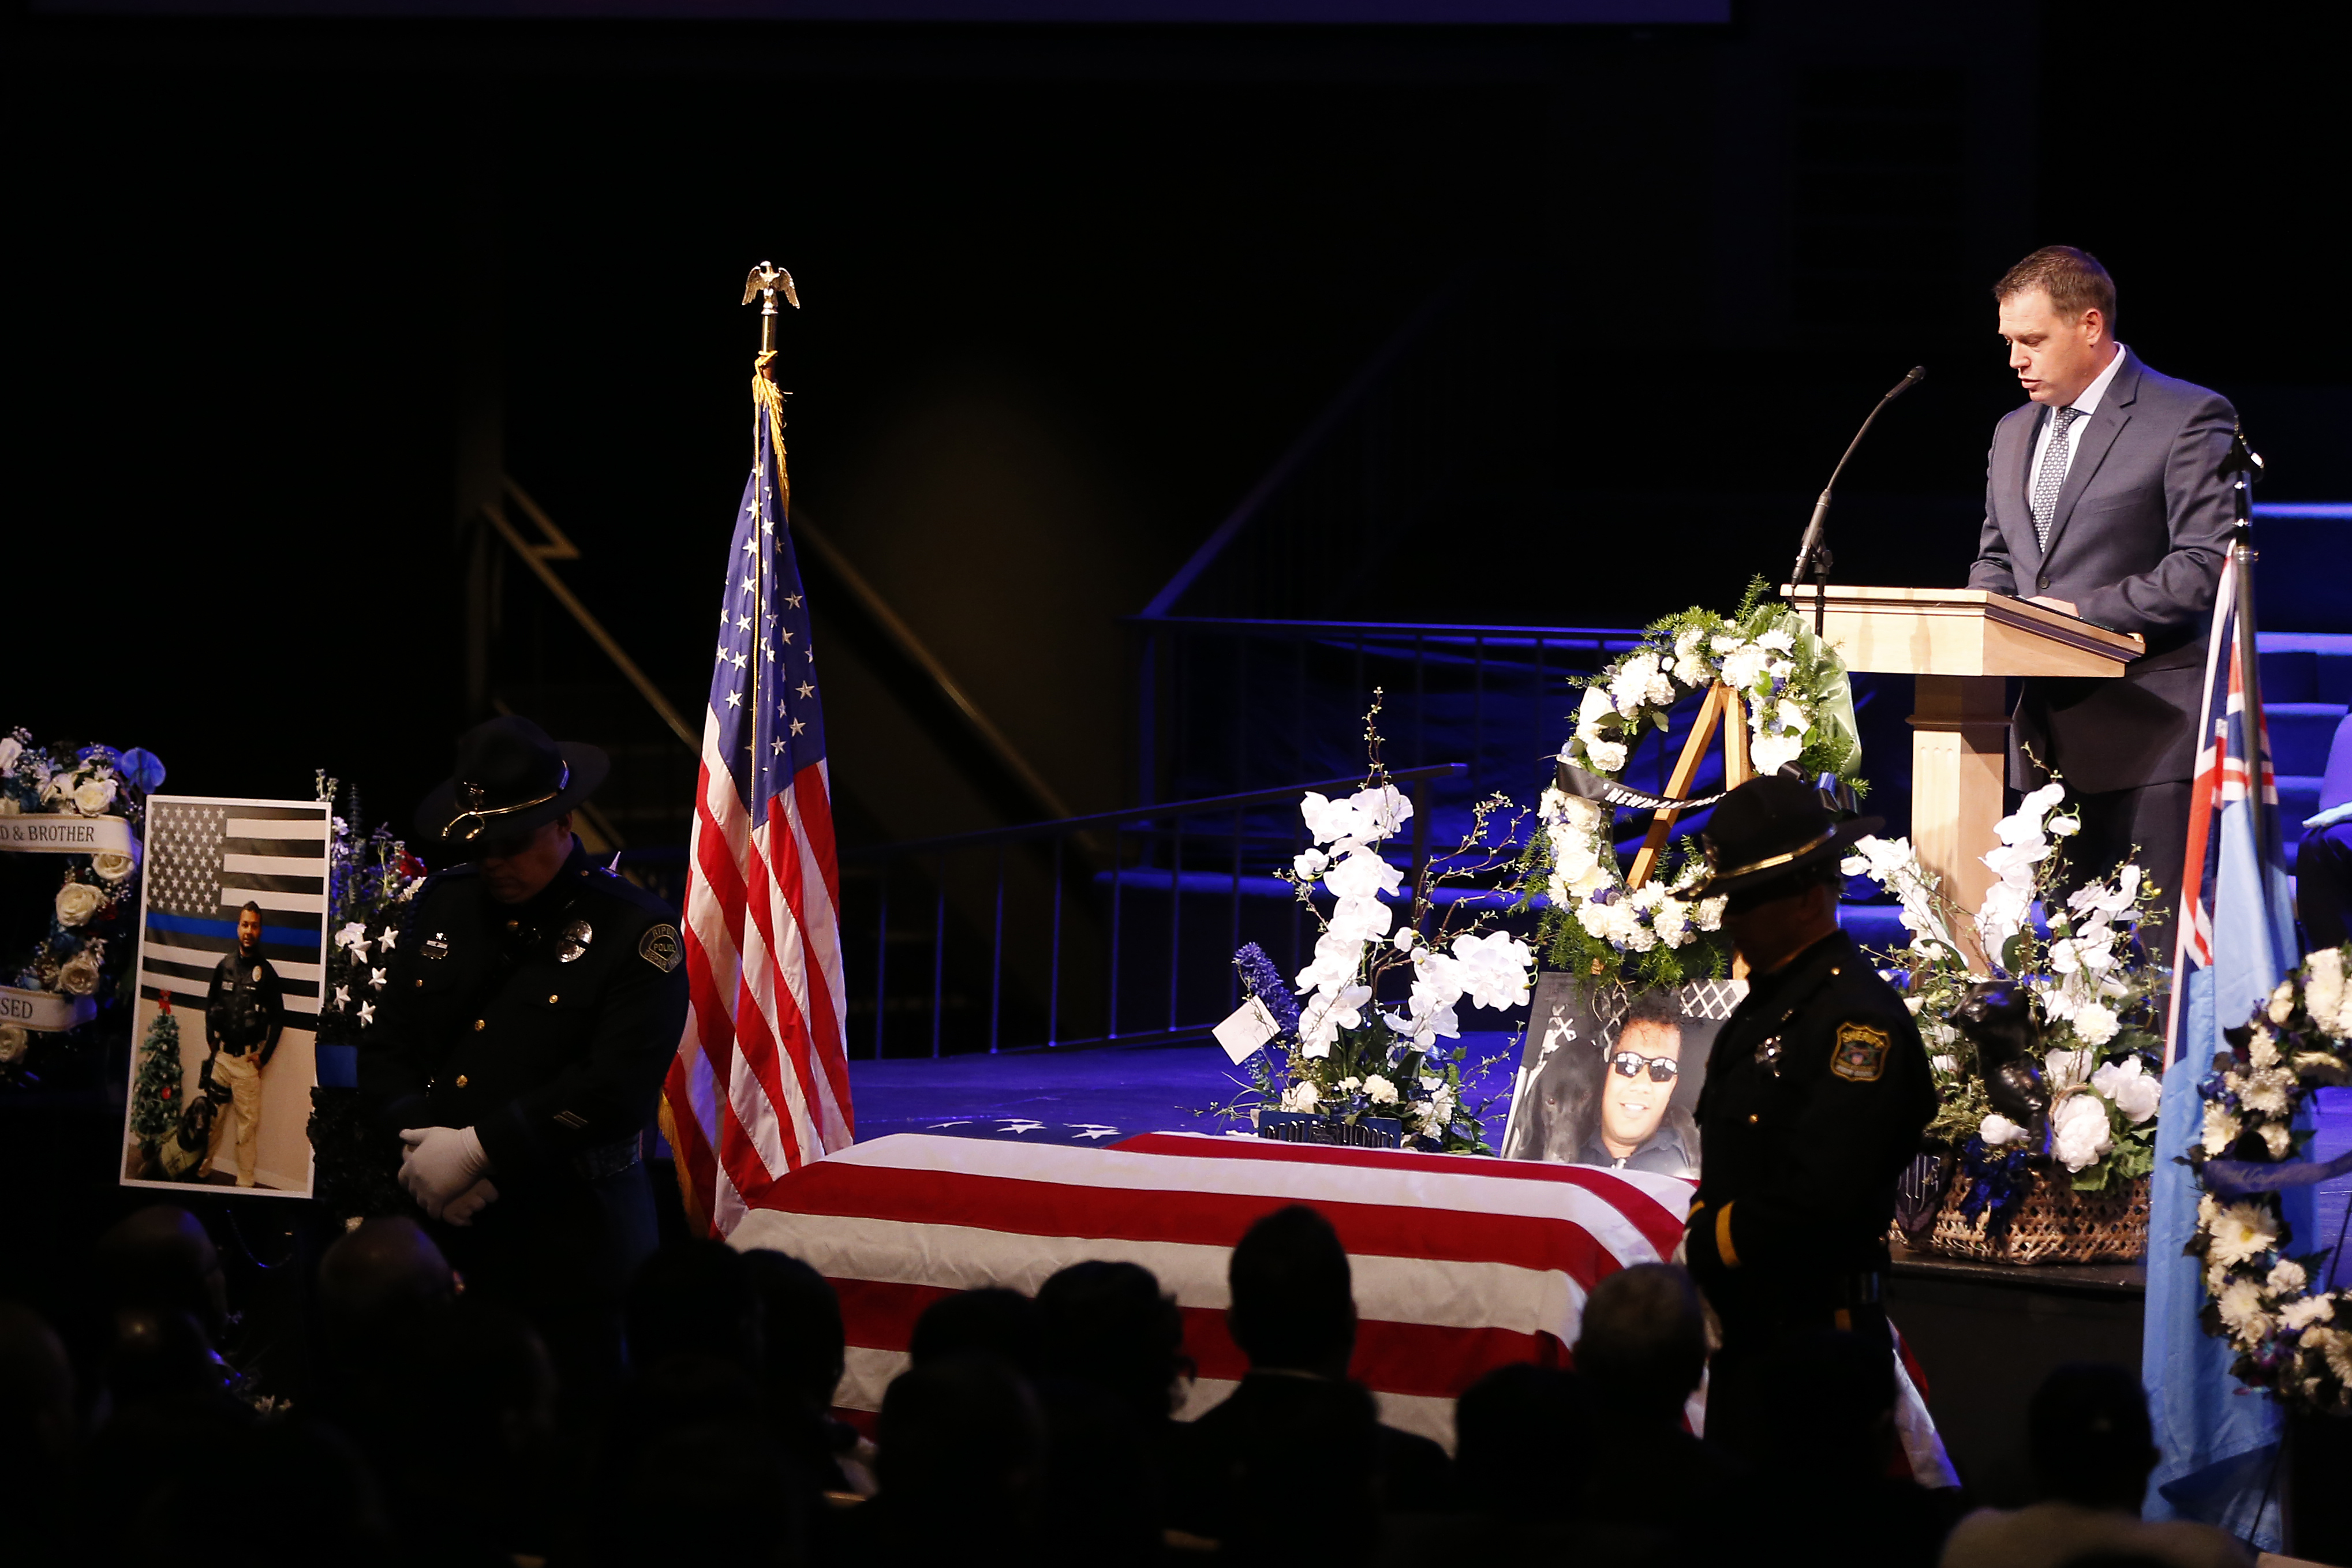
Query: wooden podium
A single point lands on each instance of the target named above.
(1960, 643)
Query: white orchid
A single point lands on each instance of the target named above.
(1362, 875)
(1309, 863)
(1360, 920)
(1494, 968)
(1336, 957)
(1386, 808)
(1329, 821)
(1328, 1012)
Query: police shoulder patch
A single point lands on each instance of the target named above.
(658, 946)
(1861, 1052)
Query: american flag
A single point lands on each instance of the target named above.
(1461, 1265)
(206, 859)
(761, 1083)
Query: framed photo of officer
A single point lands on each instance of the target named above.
(1610, 1077)
(232, 956)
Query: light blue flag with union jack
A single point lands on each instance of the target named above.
(2219, 1439)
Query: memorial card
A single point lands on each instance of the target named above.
(232, 956)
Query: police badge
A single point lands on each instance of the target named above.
(574, 941)
(658, 946)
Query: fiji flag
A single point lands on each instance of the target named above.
(761, 1083)
(2219, 1439)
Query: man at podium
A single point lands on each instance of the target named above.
(2105, 498)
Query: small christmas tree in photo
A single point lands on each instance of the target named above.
(156, 1095)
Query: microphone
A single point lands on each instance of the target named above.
(1812, 544)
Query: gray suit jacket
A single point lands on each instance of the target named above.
(2136, 544)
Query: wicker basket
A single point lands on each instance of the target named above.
(2055, 1224)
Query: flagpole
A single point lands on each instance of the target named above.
(764, 283)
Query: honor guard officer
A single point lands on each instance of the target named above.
(535, 1001)
(244, 1012)
(1816, 1092)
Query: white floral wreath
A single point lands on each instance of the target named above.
(1799, 707)
(2290, 1338)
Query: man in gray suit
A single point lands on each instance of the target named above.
(2105, 498)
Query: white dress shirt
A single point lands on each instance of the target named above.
(2089, 404)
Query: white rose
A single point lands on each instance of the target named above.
(2080, 1131)
(112, 866)
(1770, 753)
(11, 748)
(13, 1041)
(77, 975)
(76, 901)
(1595, 707)
(1300, 1096)
(1606, 755)
(2066, 1069)
(1380, 1091)
(92, 796)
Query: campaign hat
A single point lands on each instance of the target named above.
(511, 777)
(1770, 827)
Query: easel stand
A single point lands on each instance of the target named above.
(1721, 705)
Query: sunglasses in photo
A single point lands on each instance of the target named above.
(1629, 1064)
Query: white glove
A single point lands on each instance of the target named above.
(461, 1210)
(440, 1164)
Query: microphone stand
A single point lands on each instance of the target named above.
(1813, 557)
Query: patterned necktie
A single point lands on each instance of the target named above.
(2052, 476)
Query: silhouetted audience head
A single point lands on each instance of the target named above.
(38, 1419)
(1109, 1326)
(962, 1449)
(694, 1298)
(381, 1278)
(800, 1319)
(2088, 1437)
(1292, 1301)
(160, 1258)
(158, 1355)
(989, 1322)
(1523, 1437)
(726, 1488)
(1643, 1346)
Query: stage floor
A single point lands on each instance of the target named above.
(1134, 1089)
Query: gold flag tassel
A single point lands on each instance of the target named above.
(770, 398)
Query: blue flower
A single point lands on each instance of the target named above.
(143, 768)
(1264, 981)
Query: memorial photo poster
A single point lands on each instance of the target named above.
(232, 960)
(1609, 1077)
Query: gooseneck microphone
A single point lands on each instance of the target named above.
(1812, 559)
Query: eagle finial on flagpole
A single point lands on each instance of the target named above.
(763, 285)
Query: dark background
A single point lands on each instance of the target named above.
(1068, 293)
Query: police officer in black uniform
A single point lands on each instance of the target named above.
(535, 1001)
(244, 1012)
(1816, 1092)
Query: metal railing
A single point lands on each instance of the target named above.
(1076, 932)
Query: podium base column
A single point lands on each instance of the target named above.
(1959, 763)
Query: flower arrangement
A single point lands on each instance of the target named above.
(2292, 1339)
(1344, 1055)
(96, 908)
(2067, 1024)
(371, 880)
(1800, 711)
